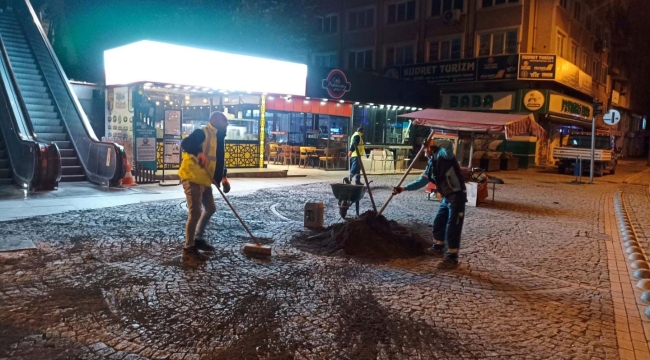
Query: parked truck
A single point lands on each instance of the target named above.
(579, 148)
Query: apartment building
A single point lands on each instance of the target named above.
(548, 57)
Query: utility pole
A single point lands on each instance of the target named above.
(598, 109)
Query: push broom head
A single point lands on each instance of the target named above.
(256, 250)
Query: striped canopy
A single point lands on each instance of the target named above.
(510, 124)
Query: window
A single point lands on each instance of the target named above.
(502, 42)
(400, 55)
(560, 44)
(361, 59)
(577, 11)
(573, 55)
(438, 7)
(565, 4)
(330, 60)
(444, 49)
(589, 22)
(595, 69)
(603, 74)
(401, 12)
(361, 19)
(584, 63)
(328, 24)
(488, 3)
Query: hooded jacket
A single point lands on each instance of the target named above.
(442, 170)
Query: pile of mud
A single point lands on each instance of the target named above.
(368, 237)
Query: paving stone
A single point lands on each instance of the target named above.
(533, 281)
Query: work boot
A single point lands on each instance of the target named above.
(447, 264)
(192, 254)
(346, 181)
(203, 245)
(435, 252)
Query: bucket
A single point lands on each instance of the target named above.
(314, 213)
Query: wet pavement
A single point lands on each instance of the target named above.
(534, 281)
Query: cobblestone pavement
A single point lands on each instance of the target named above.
(109, 284)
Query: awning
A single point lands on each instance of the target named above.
(510, 124)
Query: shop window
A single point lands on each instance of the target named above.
(328, 24)
(330, 60)
(400, 55)
(489, 3)
(438, 7)
(361, 19)
(401, 12)
(560, 44)
(603, 74)
(498, 43)
(445, 49)
(360, 59)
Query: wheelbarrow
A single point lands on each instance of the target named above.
(346, 195)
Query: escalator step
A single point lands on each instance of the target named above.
(73, 178)
(23, 66)
(22, 60)
(34, 95)
(20, 76)
(32, 88)
(34, 107)
(45, 122)
(23, 71)
(65, 148)
(72, 170)
(7, 181)
(43, 114)
(70, 161)
(4, 163)
(34, 101)
(3, 154)
(5, 173)
(52, 136)
(14, 49)
(44, 129)
(31, 83)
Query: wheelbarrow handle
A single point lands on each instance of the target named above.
(407, 171)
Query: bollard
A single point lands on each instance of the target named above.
(577, 170)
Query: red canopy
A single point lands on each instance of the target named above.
(511, 124)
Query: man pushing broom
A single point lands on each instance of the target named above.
(203, 164)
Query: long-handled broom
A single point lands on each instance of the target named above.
(255, 249)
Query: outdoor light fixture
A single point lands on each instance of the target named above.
(400, 108)
(205, 101)
(420, 109)
(157, 103)
(341, 101)
(356, 103)
(408, 108)
(171, 103)
(187, 97)
(177, 86)
(324, 100)
(167, 97)
(203, 68)
(168, 86)
(187, 101)
(381, 106)
(371, 104)
(186, 87)
(226, 99)
(306, 101)
(307, 98)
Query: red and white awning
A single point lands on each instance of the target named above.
(510, 124)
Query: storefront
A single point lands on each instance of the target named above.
(336, 103)
(158, 93)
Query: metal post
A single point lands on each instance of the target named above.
(593, 149)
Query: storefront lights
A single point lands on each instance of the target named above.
(356, 103)
(341, 101)
(205, 101)
(207, 69)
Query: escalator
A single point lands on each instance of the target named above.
(6, 177)
(24, 161)
(46, 122)
(50, 105)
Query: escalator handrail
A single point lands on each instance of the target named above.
(120, 165)
(47, 161)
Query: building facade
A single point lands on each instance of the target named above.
(548, 57)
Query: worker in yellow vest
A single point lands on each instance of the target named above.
(203, 164)
(355, 167)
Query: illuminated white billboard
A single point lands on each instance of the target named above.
(150, 61)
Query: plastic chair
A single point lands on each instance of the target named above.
(286, 154)
(295, 154)
(377, 155)
(329, 155)
(273, 153)
(389, 158)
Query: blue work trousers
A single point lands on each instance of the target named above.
(448, 223)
